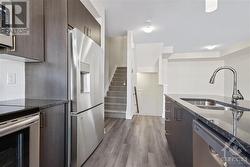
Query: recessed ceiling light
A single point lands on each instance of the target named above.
(211, 5)
(211, 47)
(148, 28)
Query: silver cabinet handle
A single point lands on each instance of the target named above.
(11, 127)
(42, 119)
(13, 49)
(85, 30)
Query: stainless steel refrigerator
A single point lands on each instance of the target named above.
(86, 95)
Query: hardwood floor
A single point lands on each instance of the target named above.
(139, 142)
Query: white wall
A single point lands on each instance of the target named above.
(150, 94)
(147, 56)
(131, 76)
(106, 67)
(241, 62)
(192, 77)
(116, 48)
(12, 91)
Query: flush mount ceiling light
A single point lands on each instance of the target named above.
(211, 5)
(211, 47)
(148, 28)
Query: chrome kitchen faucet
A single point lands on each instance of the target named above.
(236, 93)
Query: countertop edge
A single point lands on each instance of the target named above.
(227, 135)
(53, 105)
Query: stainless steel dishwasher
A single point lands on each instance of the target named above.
(210, 150)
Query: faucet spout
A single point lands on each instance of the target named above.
(236, 93)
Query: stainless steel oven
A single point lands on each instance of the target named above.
(6, 39)
(19, 142)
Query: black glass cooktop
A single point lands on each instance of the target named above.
(11, 112)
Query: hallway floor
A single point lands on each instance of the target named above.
(139, 142)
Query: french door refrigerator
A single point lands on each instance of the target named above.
(86, 95)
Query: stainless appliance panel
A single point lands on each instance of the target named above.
(211, 150)
(86, 61)
(87, 133)
(6, 40)
(5, 35)
(86, 95)
(30, 123)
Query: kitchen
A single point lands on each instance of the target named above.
(104, 83)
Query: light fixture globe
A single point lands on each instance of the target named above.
(148, 28)
(211, 47)
(211, 5)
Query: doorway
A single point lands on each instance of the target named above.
(150, 94)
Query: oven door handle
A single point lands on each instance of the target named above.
(11, 127)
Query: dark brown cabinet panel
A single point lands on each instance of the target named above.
(95, 30)
(31, 46)
(52, 144)
(79, 17)
(179, 133)
(48, 80)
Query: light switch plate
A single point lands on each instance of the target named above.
(11, 78)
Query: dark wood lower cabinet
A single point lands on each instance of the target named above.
(52, 136)
(179, 133)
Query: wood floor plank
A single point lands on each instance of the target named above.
(139, 142)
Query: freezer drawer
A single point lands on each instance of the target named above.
(87, 133)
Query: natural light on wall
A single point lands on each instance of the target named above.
(211, 5)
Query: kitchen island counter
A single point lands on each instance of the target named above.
(220, 121)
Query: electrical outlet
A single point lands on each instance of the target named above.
(11, 78)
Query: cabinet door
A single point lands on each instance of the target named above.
(79, 17)
(52, 144)
(95, 30)
(76, 13)
(170, 125)
(31, 46)
(183, 137)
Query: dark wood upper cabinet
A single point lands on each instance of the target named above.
(31, 46)
(79, 17)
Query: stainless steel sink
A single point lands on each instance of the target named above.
(210, 104)
(213, 105)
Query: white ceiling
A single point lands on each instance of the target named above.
(182, 24)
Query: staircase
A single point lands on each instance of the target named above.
(116, 99)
